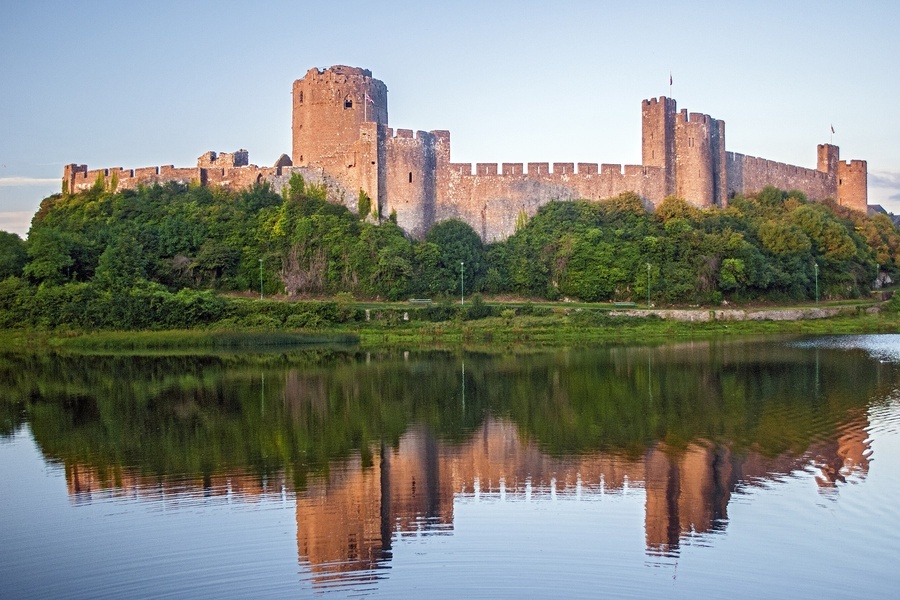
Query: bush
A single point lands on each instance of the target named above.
(530, 310)
(477, 309)
(445, 310)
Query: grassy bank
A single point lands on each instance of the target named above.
(564, 330)
(554, 327)
(125, 341)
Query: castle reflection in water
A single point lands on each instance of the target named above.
(348, 519)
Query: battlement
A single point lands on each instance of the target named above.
(661, 101)
(683, 116)
(409, 134)
(339, 70)
(212, 159)
(441, 135)
(544, 169)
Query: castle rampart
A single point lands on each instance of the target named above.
(341, 139)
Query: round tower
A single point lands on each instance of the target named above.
(329, 107)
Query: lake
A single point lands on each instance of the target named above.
(699, 469)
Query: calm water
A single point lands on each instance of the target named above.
(694, 470)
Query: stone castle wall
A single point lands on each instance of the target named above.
(341, 139)
(490, 200)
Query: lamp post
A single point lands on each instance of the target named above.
(462, 288)
(260, 280)
(816, 270)
(648, 285)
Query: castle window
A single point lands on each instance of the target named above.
(410, 176)
(300, 98)
(348, 102)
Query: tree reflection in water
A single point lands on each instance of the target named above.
(377, 446)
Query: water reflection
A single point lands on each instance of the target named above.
(377, 448)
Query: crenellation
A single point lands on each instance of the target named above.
(610, 169)
(461, 168)
(341, 140)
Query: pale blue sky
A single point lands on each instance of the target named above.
(112, 84)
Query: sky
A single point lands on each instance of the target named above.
(112, 84)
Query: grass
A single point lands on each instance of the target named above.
(558, 330)
(118, 341)
(565, 325)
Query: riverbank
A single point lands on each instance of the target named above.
(552, 325)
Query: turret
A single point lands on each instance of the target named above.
(328, 109)
(852, 190)
(658, 137)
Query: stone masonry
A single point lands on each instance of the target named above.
(341, 139)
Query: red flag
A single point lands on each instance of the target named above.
(369, 99)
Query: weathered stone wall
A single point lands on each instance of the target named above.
(491, 202)
(234, 178)
(410, 179)
(224, 160)
(329, 108)
(853, 184)
(749, 174)
(79, 178)
(699, 159)
(658, 137)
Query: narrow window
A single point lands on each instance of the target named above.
(410, 176)
(300, 98)
(348, 102)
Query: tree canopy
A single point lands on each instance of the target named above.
(157, 241)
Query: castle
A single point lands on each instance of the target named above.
(341, 139)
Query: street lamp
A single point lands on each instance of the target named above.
(816, 270)
(260, 280)
(462, 288)
(648, 285)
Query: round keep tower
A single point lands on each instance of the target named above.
(329, 106)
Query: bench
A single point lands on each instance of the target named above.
(624, 304)
(420, 300)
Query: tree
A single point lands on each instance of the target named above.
(49, 256)
(456, 243)
(122, 264)
(13, 255)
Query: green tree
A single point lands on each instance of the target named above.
(13, 255)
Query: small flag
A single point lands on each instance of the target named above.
(832, 129)
(670, 79)
(369, 99)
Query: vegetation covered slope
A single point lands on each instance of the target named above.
(156, 255)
